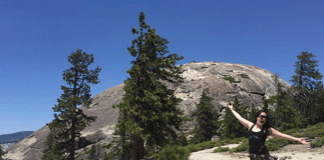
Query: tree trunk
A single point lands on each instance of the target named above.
(72, 149)
(138, 148)
(73, 125)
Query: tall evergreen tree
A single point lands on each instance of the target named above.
(285, 114)
(54, 147)
(71, 120)
(2, 153)
(305, 81)
(121, 145)
(152, 107)
(320, 104)
(289, 117)
(206, 118)
(279, 101)
(232, 127)
(252, 112)
(93, 153)
(265, 105)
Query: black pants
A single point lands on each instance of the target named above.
(263, 156)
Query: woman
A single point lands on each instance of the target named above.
(258, 132)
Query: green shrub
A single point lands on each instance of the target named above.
(275, 143)
(318, 142)
(221, 149)
(244, 146)
(230, 79)
(200, 146)
(237, 140)
(205, 145)
(211, 144)
(245, 76)
(271, 101)
(174, 153)
(193, 148)
(108, 146)
(291, 131)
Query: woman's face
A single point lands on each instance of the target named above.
(262, 118)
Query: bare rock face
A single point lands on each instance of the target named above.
(224, 81)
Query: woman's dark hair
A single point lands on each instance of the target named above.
(266, 126)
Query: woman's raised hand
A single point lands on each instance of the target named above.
(229, 106)
(303, 141)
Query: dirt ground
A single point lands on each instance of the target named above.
(291, 152)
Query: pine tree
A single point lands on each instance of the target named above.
(54, 149)
(232, 127)
(152, 109)
(252, 112)
(2, 153)
(121, 145)
(206, 118)
(279, 97)
(285, 114)
(265, 105)
(289, 117)
(304, 82)
(92, 155)
(71, 120)
(319, 109)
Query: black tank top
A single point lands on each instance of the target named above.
(257, 141)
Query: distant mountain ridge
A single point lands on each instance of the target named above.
(14, 137)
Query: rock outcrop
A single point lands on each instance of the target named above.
(225, 81)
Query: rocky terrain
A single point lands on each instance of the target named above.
(225, 81)
(289, 152)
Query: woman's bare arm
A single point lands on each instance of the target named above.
(242, 120)
(278, 134)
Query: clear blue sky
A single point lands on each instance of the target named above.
(36, 36)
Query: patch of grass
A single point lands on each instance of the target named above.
(318, 143)
(106, 146)
(292, 131)
(221, 149)
(202, 146)
(274, 144)
(230, 79)
(311, 131)
(244, 146)
(316, 130)
(174, 152)
(271, 101)
(238, 140)
(211, 144)
(245, 76)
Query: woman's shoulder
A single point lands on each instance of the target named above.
(251, 126)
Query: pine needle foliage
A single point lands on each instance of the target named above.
(305, 82)
(285, 114)
(2, 153)
(174, 153)
(151, 107)
(320, 103)
(232, 127)
(122, 143)
(70, 120)
(54, 147)
(206, 118)
(92, 153)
